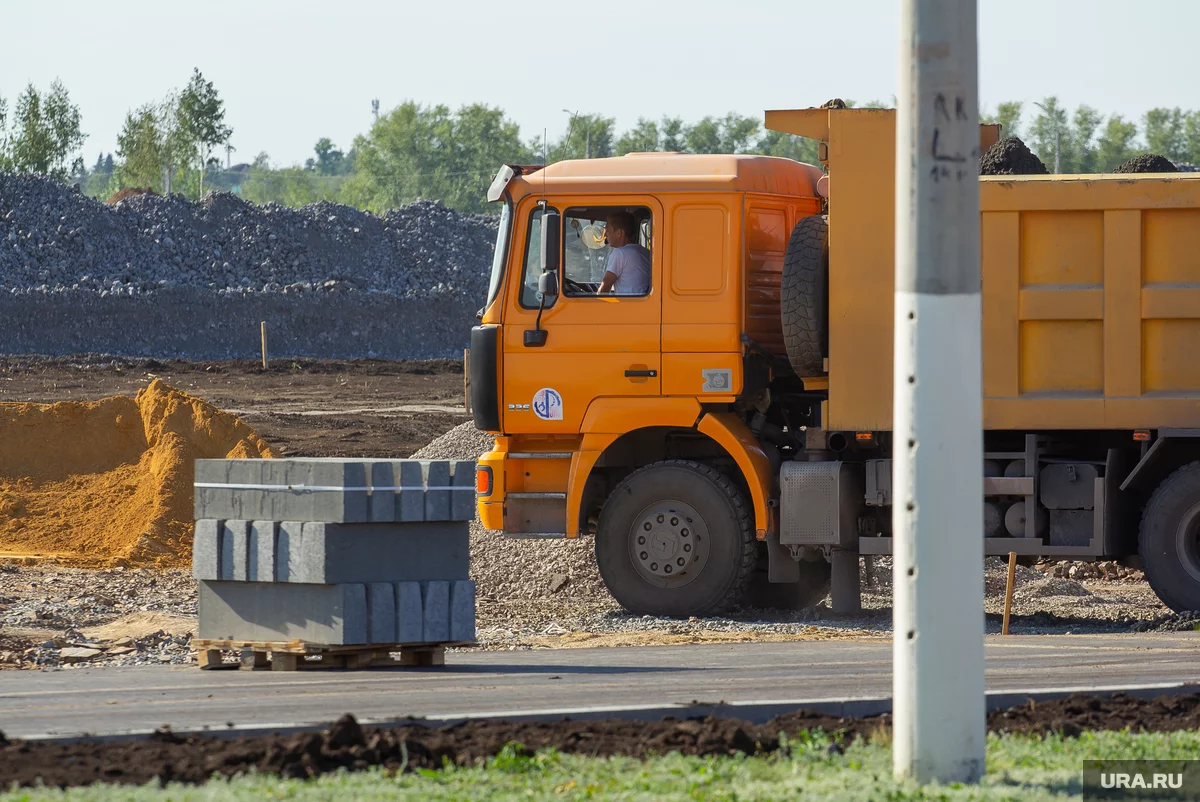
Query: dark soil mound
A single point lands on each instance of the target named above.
(168, 757)
(1148, 163)
(1010, 156)
(1079, 712)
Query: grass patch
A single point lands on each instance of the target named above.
(1019, 768)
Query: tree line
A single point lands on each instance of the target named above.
(431, 151)
(167, 145)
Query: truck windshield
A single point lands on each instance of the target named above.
(501, 253)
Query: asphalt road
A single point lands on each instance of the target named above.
(102, 701)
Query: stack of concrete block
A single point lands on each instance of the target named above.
(334, 552)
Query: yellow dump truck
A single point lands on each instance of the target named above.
(721, 423)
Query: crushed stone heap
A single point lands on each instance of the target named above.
(55, 239)
(95, 482)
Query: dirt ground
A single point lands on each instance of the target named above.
(302, 407)
(346, 745)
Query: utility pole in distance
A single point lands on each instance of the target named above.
(938, 684)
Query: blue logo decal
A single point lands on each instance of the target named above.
(548, 404)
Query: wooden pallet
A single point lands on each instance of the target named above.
(300, 655)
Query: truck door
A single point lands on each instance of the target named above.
(596, 345)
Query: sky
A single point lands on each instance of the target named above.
(292, 72)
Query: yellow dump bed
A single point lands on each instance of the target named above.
(1091, 288)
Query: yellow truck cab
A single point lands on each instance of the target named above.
(720, 424)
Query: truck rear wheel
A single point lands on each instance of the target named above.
(1169, 540)
(675, 539)
(804, 296)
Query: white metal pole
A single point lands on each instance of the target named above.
(938, 692)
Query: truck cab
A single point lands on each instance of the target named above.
(585, 388)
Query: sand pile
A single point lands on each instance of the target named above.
(95, 482)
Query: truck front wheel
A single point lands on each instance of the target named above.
(675, 539)
(1169, 540)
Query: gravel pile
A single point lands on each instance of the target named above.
(1148, 163)
(1010, 156)
(54, 239)
(534, 576)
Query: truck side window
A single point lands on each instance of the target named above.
(588, 252)
(533, 262)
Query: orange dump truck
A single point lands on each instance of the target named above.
(720, 424)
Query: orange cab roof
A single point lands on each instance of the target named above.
(665, 172)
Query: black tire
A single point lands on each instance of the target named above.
(1169, 539)
(712, 520)
(810, 590)
(804, 296)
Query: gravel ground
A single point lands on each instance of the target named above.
(53, 617)
(54, 239)
(536, 594)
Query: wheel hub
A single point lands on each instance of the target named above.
(668, 543)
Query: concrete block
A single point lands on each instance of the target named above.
(381, 552)
(437, 493)
(235, 540)
(410, 499)
(435, 606)
(206, 549)
(383, 497)
(220, 503)
(245, 471)
(212, 471)
(409, 616)
(330, 490)
(354, 613)
(462, 501)
(462, 611)
(335, 490)
(381, 612)
(289, 551)
(333, 615)
(338, 505)
(264, 544)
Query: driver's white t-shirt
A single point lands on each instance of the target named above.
(631, 265)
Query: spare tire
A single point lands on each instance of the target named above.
(804, 296)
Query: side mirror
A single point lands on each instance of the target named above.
(548, 285)
(551, 244)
